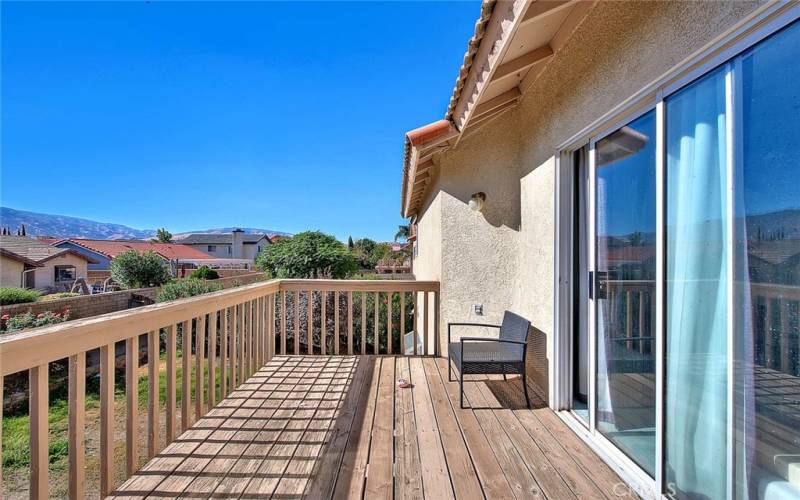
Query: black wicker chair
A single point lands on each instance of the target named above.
(491, 356)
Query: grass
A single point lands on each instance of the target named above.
(16, 435)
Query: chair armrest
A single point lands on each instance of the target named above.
(488, 339)
(468, 324)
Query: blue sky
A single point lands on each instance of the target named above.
(288, 116)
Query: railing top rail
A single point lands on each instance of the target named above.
(30, 348)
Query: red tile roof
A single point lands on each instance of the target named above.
(170, 251)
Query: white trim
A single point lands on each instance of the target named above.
(591, 333)
(659, 332)
(730, 113)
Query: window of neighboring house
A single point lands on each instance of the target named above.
(230, 250)
(65, 273)
(212, 248)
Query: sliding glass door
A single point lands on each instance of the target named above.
(686, 279)
(625, 224)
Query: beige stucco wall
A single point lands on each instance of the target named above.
(10, 272)
(45, 276)
(504, 258)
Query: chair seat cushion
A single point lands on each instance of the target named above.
(482, 352)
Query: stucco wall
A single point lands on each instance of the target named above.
(45, 276)
(10, 272)
(504, 258)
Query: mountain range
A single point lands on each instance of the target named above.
(62, 226)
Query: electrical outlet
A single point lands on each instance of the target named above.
(477, 309)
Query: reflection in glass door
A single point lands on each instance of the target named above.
(625, 267)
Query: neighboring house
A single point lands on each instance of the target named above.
(236, 245)
(102, 252)
(30, 263)
(591, 174)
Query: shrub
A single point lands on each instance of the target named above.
(59, 295)
(189, 287)
(204, 273)
(134, 270)
(311, 254)
(17, 296)
(30, 320)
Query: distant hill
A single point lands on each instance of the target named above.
(61, 226)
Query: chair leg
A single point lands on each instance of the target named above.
(461, 389)
(525, 388)
(503, 369)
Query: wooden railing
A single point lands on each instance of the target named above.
(775, 334)
(223, 336)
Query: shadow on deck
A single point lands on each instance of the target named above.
(338, 427)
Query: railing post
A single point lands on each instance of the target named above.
(153, 348)
(106, 419)
(415, 320)
(39, 403)
(389, 322)
(283, 322)
(296, 322)
(376, 325)
(426, 323)
(436, 327)
(212, 359)
(336, 321)
(350, 322)
(132, 405)
(171, 388)
(186, 373)
(363, 322)
(77, 409)
(310, 320)
(323, 329)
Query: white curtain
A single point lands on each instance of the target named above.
(697, 276)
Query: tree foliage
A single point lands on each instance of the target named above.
(368, 252)
(311, 254)
(134, 270)
(181, 289)
(402, 233)
(17, 296)
(163, 236)
(204, 273)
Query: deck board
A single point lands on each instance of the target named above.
(339, 427)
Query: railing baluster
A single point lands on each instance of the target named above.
(629, 318)
(106, 419)
(39, 403)
(77, 410)
(389, 322)
(768, 349)
(336, 302)
(323, 332)
(248, 368)
(641, 321)
(132, 405)
(153, 348)
(212, 359)
(310, 320)
(403, 323)
(783, 332)
(186, 373)
(436, 336)
(261, 336)
(283, 322)
(223, 353)
(376, 325)
(171, 386)
(241, 352)
(199, 376)
(271, 325)
(426, 320)
(363, 322)
(296, 322)
(350, 322)
(415, 320)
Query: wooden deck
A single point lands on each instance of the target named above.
(325, 427)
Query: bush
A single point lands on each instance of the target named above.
(59, 295)
(311, 254)
(17, 296)
(30, 320)
(204, 273)
(134, 270)
(189, 287)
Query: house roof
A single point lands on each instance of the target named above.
(220, 238)
(35, 250)
(19, 258)
(112, 248)
(512, 43)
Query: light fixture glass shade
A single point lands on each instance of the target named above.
(476, 201)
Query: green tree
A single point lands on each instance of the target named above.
(350, 243)
(311, 254)
(402, 233)
(163, 236)
(134, 270)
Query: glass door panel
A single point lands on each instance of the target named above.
(625, 267)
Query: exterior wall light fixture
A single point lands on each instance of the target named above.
(477, 201)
